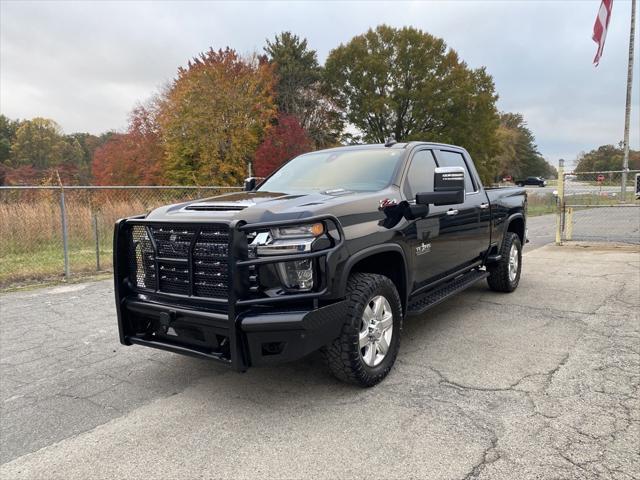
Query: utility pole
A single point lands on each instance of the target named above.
(627, 111)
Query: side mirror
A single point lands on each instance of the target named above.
(448, 188)
(250, 184)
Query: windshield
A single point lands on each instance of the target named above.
(355, 170)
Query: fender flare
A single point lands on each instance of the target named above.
(368, 252)
(511, 218)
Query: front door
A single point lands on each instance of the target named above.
(428, 238)
(470, 226)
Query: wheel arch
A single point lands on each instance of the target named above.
(382, 260)
(516, 224)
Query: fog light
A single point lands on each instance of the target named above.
(297, 274)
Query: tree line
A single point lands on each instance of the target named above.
(225, 114)
(606, 158)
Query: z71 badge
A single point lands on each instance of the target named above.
(423, 248)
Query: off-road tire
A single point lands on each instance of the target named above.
(498, 278)
(342, 356)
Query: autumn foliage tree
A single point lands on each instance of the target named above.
(134, 157)
(41, 144)
(285, 140)
(8, 130)
(408, 83)
(224, 111)
(519, 156)
(38, 152)
(298, 89)
(606, 158)
(214, 116)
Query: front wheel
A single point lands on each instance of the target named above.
(504, 276)
(370, 340)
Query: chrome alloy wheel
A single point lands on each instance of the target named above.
(376, 330)
(513, 263)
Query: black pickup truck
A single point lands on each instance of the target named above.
(532, 181)
(330, 252)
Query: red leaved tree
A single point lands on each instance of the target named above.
(285, 140)
(134, 157)
(22, 175)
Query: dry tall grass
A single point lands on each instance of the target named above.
(26, 227)
(31, 227)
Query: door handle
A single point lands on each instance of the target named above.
(484, 205)
(451, 213)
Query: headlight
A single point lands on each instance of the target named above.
(298, 274)
(298, 231)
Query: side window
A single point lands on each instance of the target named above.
(455, 159)
(420, 175)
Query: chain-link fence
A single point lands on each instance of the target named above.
(49, 233)
(600, 206)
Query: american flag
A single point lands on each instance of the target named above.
(600, 27)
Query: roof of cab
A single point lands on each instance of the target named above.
(399, 145)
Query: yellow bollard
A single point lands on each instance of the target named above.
(569, 224)
(560, 204)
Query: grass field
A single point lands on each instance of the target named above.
(31, 239)
(541, 204)
(47, 265)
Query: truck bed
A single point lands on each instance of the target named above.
(496, 193)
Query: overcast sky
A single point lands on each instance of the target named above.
(86, 64)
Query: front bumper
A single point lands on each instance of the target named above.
(241, 330)
(263, 336)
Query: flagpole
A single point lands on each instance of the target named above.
(627, 111)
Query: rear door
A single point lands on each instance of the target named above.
(466, 226)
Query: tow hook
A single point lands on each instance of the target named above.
(166, 319)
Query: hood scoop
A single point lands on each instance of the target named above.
(215, 207)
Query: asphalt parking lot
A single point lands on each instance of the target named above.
(541, 383)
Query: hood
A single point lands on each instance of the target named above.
(259, 206)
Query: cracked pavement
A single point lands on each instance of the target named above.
(539, 384)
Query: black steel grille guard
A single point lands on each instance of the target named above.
(237, 261)
(237, 258)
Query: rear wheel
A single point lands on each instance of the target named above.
(368, 345)
(504, 276)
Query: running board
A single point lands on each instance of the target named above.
(423, 302)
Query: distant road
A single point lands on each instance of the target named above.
(576, 188)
